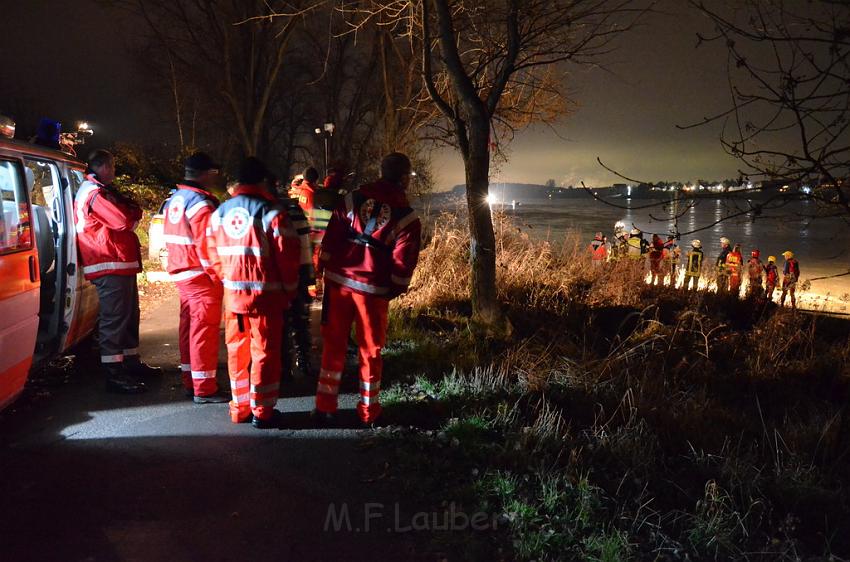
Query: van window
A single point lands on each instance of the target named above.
(45, 186)
(77, 179)
(15, 228)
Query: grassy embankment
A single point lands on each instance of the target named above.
(621, 420)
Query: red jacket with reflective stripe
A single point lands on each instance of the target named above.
(187, 216)
(255, 251)
(383, 265)
(105, 221)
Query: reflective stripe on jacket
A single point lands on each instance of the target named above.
(187, 217)
(634, 247)
(694, 267)
(733, 263)
(380, 262)
(255, 251)
(598, 250)
(302, 228)
(316, 216)
(105, 221)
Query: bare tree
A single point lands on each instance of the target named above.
(789, 84)
(232, 53)
(491, 67)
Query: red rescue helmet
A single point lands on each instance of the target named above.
(756, 253)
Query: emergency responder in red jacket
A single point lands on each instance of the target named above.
(110, 258)
(656, 260)
(369, 253)
(754, 274)
(255, 252)
(771, 277)
(187, 217)
(335, 180)
(598, 250)
(734, 264)
(317, 216)
(790, 276)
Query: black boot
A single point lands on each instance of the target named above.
(273, 422)
(138, 369)
(119, 379)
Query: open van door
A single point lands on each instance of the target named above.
(81, 302)
(19, 282)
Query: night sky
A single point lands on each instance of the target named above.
(71, 59)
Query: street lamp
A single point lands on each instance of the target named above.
(327, 131)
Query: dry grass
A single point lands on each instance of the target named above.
(528, 271)
(709, 427)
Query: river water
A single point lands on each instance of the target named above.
(821, 245)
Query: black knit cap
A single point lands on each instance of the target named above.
(252, 171)
(200, 162)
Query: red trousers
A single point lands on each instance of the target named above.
(253, 342)
(369, 314)
(200, 316)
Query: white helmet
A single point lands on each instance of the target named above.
(696, 243)
(635, 232)
(725, 240)
(619, 225)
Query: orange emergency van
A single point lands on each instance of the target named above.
(45, 304)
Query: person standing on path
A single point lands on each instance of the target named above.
(298, 341)
(368, 254)
(110, 256)
(255, 252)
(187, 215)
(317, 216)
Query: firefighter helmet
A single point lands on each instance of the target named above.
(787, 254)
(755, 253)
(725, 241)
(696, 243)
(771, 259)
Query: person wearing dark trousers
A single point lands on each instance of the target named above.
(298, 341)
(110, 257)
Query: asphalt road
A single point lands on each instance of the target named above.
(86, 475)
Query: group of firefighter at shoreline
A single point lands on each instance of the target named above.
(663, 257)
(258, 259)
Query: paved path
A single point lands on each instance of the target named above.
(86, 475)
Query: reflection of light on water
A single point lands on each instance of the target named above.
(718, 215)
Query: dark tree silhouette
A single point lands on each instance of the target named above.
(789, 85)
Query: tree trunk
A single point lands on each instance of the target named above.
(486, 311)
